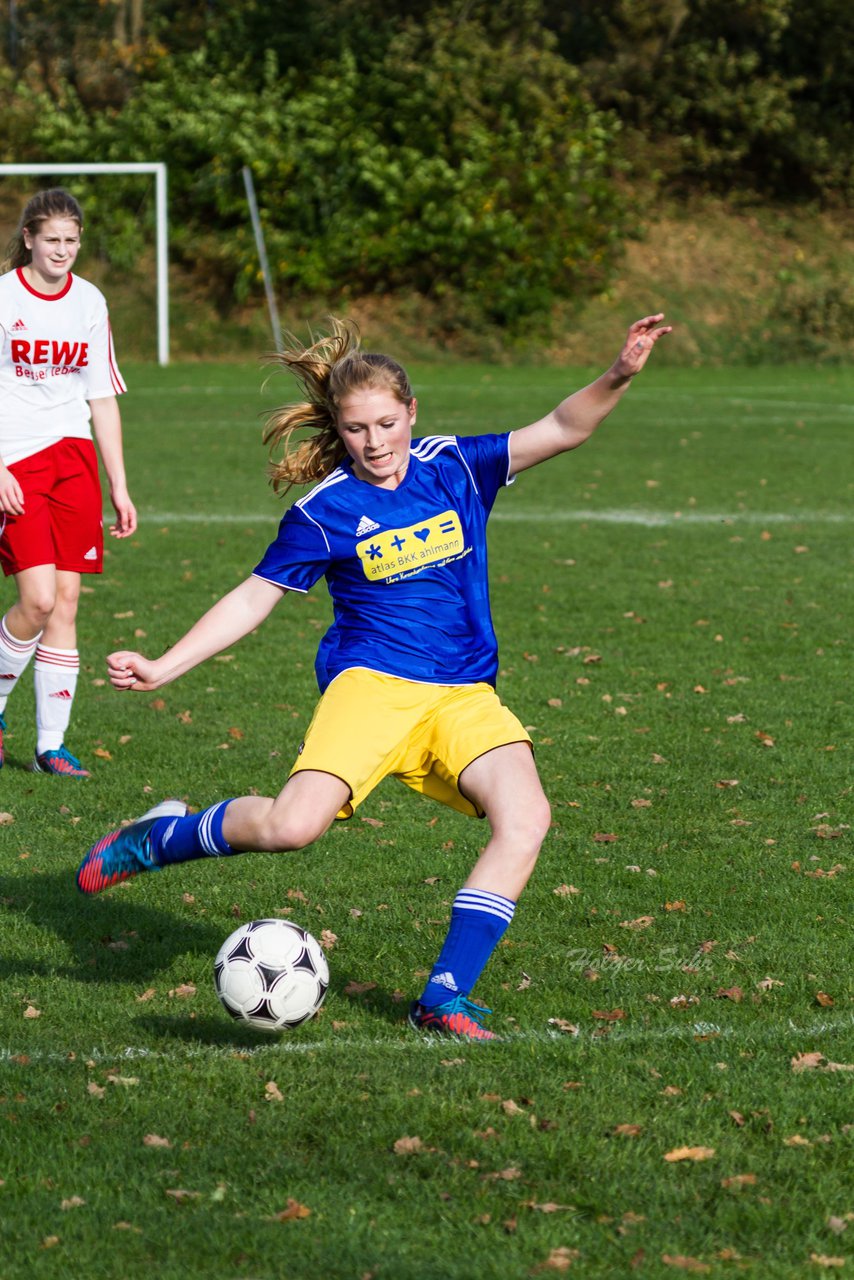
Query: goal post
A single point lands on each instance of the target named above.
(158, 168)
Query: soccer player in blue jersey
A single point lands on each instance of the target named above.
(407, 670)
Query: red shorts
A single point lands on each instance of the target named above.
(63, 521)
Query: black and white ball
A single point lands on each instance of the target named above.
(271, 974)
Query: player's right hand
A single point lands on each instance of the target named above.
(11, 494)
(129, 670)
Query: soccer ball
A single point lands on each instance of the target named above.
(271, 974)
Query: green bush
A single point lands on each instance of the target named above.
(470, 170)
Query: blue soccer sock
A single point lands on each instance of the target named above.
(479, 920)
(197, 835)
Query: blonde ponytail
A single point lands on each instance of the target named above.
(327, 371)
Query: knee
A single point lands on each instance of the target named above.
(65, 605)
(37, 607)
(282, 832)
(537, 820)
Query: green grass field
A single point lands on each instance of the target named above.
(673, 1093)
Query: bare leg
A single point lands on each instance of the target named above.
(60, 629)
(505, 784)
(37, 588)
(304, 808)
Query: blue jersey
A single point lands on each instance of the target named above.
(406, 568)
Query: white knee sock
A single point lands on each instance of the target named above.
(55, 672)
(14, 656)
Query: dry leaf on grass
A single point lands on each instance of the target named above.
(292, 1211)
(689, 1153)
(568, 1028)
(408, 1146)
(739, 1180)
(560, 1259)
(685, 1263)
(817, 1062)
(358, 988)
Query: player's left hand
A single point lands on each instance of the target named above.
(640, 340)
(125, 523)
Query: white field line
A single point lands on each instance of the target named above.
(616, 1037)
(652, 519)
(746, 398)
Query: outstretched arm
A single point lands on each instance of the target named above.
(228, 621)
(576, 418)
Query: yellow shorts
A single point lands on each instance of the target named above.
(368, 726)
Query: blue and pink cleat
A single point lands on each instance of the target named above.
(458, 1017)
(61, 763)
(124, 853)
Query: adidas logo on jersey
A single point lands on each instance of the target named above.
(18, 326)
(63, 695)
(365, 526)
(91, 554)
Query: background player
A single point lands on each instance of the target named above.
(58, 383)
(407, 670)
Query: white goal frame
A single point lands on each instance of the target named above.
(158, 168)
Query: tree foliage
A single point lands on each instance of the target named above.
(465, 150)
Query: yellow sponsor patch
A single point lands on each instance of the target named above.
(394, 553)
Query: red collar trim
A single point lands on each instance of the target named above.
(45, 297)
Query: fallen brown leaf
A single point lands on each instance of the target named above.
(560, 1259)
(292, 1211)
(358, 988)
(685, 1263)
(568, 1028)
(407, 1146)
(689, 1153)
(739, 1180)
(807, 1061)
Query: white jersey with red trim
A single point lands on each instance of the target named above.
(56, 354)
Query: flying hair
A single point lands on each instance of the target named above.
(327, 371)
(56, 202)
